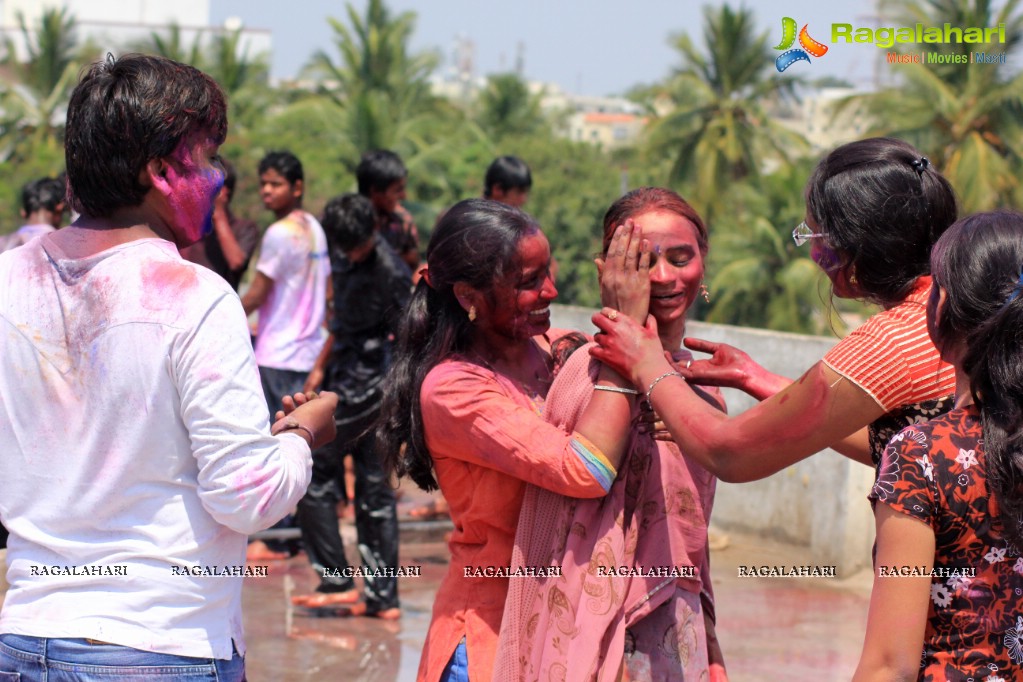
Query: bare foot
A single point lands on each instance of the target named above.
(436, 508)
(320, 600)
(356, 610)
(258, 551)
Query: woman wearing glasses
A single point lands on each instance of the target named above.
(874, 208)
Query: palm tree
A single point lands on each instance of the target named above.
(34, 95)
(755, 273)
(172, 46)
(716, 130)
(381, 89)
(506, 107)
(967, 118)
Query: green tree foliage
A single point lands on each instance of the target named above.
(33, 100)
(715, 130)
(225, 56)
(171, 44)
(506, 107)
(756, 274)
(967, 118)
(711, 137)
(379, 88)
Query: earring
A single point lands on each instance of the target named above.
(472, 313)
(704, 292)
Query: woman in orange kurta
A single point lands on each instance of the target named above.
(464, 410)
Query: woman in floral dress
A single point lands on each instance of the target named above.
(949, 575)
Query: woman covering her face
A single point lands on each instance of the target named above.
(874, 208)
(634, 588)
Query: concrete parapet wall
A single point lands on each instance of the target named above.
(820, 502)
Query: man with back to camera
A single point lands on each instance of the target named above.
(382, 178)
(371, 287)
(42, 209)
(137, 445)
(508, 181)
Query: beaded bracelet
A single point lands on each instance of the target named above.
(616, 389)
(656, 381)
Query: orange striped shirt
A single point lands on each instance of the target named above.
(891, 356)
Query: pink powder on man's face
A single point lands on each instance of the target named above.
(195, 182)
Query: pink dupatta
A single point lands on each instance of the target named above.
(572, 627)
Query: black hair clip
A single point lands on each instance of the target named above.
(920, 165)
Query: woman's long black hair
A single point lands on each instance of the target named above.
(476, 242)
(978, 263)
(881, 206)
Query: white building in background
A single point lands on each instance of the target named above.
(113, 25)
(826, 118)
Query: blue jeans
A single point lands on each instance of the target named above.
(457, 669)
(35, 659)
(278, 383)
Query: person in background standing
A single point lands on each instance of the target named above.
(382, 179)
(508, 181)
(289, 290)
(42, 209)
(371, 287)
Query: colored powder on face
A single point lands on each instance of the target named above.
(826, 258)
(195, 188)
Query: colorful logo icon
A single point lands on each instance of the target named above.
(788, 37)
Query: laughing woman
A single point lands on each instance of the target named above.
(463, 410)
(634, 591)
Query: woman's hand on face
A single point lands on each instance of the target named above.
(625, 273)
(625, 346)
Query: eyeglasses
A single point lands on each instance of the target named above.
(802, 234)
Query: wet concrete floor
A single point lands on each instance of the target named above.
(796, 629)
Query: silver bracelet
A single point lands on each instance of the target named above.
(656, 381)
(616, 389)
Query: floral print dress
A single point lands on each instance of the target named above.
(936, 472)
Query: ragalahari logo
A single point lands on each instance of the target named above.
(788, 36)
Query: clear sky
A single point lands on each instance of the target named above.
(591, 47)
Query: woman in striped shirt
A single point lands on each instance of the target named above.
(874, 209)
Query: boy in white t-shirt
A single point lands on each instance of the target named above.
(290, 292)
(290, 286)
